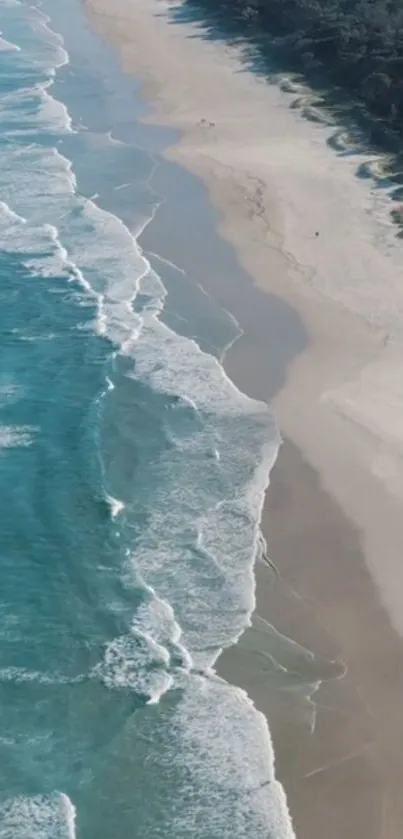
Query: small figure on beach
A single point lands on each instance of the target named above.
(207, 123)
(316, 233)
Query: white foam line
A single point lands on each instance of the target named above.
(158, 694)
(70, 811)
(208, 295)
(11, 214)
(168, 262)
(176, 630)
(115, 140)
(115, 505)
(273, 631)
(236, 338)
(20, 675)
(137, 232)
(8, 46)
(44, 21)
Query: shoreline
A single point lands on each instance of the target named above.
(334, 743)
(340, 409)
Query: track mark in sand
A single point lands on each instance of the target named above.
(339, 761)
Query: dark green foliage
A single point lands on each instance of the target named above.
(358, 43)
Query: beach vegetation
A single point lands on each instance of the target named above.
(357, 43)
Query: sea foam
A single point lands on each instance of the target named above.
(41, 817)
(194, 558)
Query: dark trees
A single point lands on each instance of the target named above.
(358, 43)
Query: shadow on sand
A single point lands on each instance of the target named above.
(353, 131)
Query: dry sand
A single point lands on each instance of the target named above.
(333, 522)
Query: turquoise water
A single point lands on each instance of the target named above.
(132, 474)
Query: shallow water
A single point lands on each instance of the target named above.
(132, 479)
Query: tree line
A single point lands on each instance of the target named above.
(358, 43)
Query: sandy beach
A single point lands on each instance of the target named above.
(332, 519)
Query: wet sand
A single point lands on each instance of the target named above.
(332, 518)
(338, 753)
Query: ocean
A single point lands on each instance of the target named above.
(132, 477)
